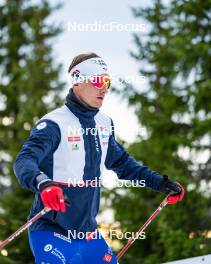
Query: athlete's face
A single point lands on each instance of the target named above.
(90, 94)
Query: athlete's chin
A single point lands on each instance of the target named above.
(98, 103)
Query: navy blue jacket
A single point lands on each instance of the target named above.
(36, 155)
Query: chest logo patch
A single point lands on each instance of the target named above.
(104, 134)
(74, 139)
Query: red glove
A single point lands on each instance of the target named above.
(53, 198)
(176, 197)
(169, 187)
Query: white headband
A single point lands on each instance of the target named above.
(88, 68)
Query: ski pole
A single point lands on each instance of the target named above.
(24, 227)
(152, 217)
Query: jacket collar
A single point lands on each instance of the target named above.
(78, 107)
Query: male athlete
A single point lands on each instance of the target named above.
(64, 155)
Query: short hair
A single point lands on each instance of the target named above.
(82, 57)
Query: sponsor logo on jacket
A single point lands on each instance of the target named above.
(74, 139)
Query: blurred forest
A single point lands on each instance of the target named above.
(29, 88)
(175, 56)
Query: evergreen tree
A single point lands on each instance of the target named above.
(175, 109)
(29, 87)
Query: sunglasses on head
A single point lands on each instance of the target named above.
(100, 81)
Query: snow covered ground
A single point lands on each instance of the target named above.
(197, 260)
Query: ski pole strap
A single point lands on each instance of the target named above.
(24, 227)
(151, 218)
